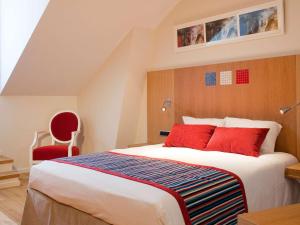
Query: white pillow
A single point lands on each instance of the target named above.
(268, 145)
(207, 121)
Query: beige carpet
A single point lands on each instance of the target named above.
(4, 220)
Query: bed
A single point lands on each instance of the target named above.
(106, 199)
(64, 194)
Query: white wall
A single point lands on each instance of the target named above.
(190, 10)
(133, 120)
(113, 104)
(21, 116)
(0, 44)
(18, 20)
(100, 102)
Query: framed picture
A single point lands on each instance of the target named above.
(190, 35)
(262, 21)
(251, 23)
(221, 29)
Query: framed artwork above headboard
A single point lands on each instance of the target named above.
(254, 89)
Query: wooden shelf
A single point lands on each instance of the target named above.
(293, 171)
(5, 160)
(9, 175)
(287, 215)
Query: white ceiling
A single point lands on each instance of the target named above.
(74, 38)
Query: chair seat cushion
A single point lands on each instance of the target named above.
(53, 152)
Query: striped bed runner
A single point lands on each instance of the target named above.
(206, 195)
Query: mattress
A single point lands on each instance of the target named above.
(116, 200)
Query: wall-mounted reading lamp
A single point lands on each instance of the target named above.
(284, 110)
(166, 104)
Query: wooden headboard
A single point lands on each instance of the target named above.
(274, 82)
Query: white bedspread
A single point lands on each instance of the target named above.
(124, 202)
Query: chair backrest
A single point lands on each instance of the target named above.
(62, 124)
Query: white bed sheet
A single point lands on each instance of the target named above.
(124, 202)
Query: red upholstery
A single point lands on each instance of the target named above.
(63, 124)
(53, 152)
(190, 136)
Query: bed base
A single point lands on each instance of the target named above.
(42, 210)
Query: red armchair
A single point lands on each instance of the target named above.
(64, 128)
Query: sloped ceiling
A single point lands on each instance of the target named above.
(18, 19)
(74, 38)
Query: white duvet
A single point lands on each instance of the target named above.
(120, 201)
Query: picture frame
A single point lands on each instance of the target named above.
(260, 21)
(188, 27)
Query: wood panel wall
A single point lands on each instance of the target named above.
(160, 86)
(298, 100)
(274, 82)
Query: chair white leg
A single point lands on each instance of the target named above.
(70, 150)
(30, 158)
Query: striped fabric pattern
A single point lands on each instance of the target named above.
(206, 195)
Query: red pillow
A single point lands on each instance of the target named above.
(245, 141)
(190, 136)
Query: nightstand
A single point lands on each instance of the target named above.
(293, 171)
(137, 145)
(287, 215)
